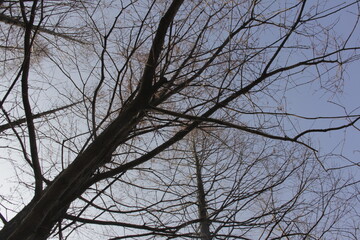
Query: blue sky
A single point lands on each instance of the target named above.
(309, 101)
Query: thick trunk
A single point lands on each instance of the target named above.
(37, 219)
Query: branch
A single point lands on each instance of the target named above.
(228, 124)
(146, 90)
(28, 42)
(11, 20)
(3, 219)
(35, 116)
(296, 23)
(117, 223)
(326, 129)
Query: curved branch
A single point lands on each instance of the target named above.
(28, 41)
(326, 129)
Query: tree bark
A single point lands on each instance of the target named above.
(204, 231)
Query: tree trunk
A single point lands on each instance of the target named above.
(204, 231)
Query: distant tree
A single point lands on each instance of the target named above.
(222, 186)
(168, 119)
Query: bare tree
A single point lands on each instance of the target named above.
(150, 89)
(225, 187)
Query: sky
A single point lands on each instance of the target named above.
(310, 102)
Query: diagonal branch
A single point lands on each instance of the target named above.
(17, 22)
(20, 121)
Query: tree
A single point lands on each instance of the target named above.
(156, 94)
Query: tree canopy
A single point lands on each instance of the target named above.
(150, 119)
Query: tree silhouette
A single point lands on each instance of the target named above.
(169, 120)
